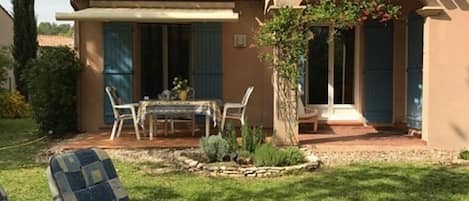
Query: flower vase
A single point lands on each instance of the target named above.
(183, 95)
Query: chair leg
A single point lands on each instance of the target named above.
(165, 122)
(120, 128)
(134, 117)
(193, 125)
(172, 126)
(114, 127)
(242, 121)
(315, 122)
(151, 125)
(222, 126)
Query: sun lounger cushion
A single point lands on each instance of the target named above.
(84, 175)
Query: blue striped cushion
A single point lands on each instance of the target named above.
(84, 175)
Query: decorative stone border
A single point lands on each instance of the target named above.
(188, 164)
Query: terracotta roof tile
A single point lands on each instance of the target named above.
(53, 41)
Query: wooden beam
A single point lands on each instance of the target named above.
(161, 4)
(430, 11)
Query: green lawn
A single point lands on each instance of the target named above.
(24, 179)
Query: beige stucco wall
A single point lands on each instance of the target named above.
(6, 29)
(446, 77)
(242, 67)
(6, 40)
(90, 92)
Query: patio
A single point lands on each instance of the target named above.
(327, 138)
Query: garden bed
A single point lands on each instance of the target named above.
(192, 161)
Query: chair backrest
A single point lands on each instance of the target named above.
(86, 174)
(300, 107)
(3, 195)
(247, 94)
(114, 99)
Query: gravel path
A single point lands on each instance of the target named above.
(329, 156)
(338, 158)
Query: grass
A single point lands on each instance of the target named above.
(24, 179)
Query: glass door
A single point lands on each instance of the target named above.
(165, 54)
(330, 72)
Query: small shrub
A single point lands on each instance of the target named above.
(251, 138)
(244, 157)
(229, 134)
(464, 155)
(214, 147)
(269, 155)
(52, 84)
(293, 156)
(13, 105)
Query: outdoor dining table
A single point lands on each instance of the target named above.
(208, 108)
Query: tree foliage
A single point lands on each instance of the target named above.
(24, 40)
(47, 28)
(52, 84)
(289, 31)
(5, 63)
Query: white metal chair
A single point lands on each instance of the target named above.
(239, 109)
(119, 116)
(306, 115)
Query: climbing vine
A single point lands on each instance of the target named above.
(289, 31)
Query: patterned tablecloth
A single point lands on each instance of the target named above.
(163, 107)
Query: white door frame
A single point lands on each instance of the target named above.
(329, 111)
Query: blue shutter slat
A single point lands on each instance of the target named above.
(378, 72)
(117, 63)
(207, 60)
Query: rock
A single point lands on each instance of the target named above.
(312, 158)
(193, 163)
(213, 174)
(231, 172)
(231, 168)
(261, 171)
(213, 168)
(223, 174)
(250, 169)
(277, 168)
(251, 175)
(200, 165)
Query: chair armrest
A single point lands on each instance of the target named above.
(233, 105)
(310, 111)
(127, 106)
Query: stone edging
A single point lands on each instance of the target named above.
(188, 164)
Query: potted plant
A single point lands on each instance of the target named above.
(181, 87)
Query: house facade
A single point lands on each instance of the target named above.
(6, 40)
(411, 72)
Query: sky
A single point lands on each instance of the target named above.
(45, 9)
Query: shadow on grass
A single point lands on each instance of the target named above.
(358, 182)
(146, 193)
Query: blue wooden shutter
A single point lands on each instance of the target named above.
(207, 54)
(118, 66)
(414, 71)
(378, 72)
